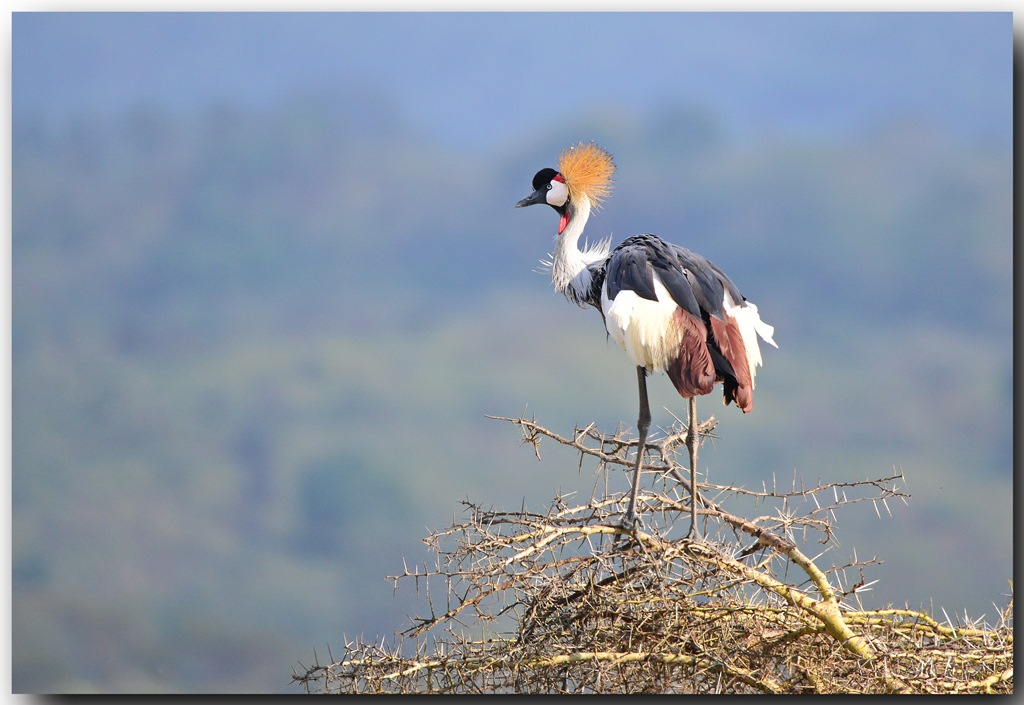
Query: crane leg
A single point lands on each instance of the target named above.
(691, 445)
(643, 423)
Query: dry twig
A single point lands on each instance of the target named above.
(558, 602)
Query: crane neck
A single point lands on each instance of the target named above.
(571, 266)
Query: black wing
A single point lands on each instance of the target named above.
(629, 268)
(690, 281)
(709, 282)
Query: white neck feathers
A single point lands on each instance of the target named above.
(569, 264)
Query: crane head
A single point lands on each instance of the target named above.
(548, 187)
(584, 172)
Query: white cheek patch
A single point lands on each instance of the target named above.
(558, 194)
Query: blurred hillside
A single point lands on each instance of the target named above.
(252, 354)
(255, 335)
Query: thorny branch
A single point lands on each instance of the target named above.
(557, 602)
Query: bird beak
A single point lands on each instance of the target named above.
(538, 196)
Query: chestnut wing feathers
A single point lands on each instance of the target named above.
(699, 288)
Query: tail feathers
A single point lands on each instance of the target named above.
(763, 329)
(732, 392)
(738, 379)
(750, 327)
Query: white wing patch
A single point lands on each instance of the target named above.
(751, 326)
(645, 329)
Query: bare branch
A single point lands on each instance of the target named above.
(566, 601)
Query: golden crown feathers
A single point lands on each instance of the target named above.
(587, 170)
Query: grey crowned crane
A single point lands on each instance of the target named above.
(670, 309)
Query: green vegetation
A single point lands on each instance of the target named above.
(252, 355)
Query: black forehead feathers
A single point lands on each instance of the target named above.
(543, 177)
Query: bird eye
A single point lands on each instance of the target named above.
(549, 187)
